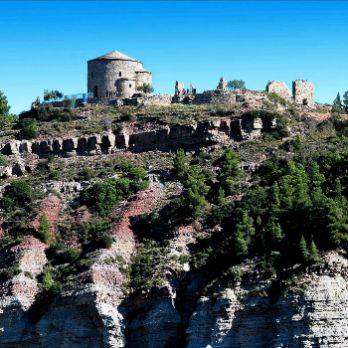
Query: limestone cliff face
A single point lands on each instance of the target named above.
(23, 156)
(98, 315)
(316, 318)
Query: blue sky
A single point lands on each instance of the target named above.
(46, 44)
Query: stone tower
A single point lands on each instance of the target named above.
(115, 75)
(303, 92)
(222, 85)
(279, 88)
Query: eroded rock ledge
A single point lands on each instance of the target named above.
(24, 153)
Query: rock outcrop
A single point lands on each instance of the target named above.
(99, 315)
(162, 138)
(23, 155)
(316, 318)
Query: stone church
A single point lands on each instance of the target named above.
(115, 75)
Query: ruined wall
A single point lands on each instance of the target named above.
(279, 88)
(254, 99)
(303, 92)
(159, 99)
(142, 78)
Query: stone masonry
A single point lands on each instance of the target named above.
(279, 88)
(303, 92)
(115, 75)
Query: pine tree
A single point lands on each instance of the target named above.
(220, 196)
(180, 164)
(5, 117)
(338, 188)
(244, 232)
(337, 104)
(304, 253)
(317, 181)
(195, 190)
(275, 199)
(345, 101)
(314, 255)
(273, 230)
(229, 173)
(4, 106)
(294, 188)
(240, 244)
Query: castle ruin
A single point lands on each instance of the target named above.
(302, 91)
(115, 75)
(120, 79)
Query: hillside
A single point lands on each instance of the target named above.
(174, 226)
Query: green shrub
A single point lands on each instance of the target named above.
(49, 284)
(44, 228)
(10, 272)
(105, 194)
(17, 194)
(277, 99)
(229, 174)
(147, 266)
(235, 274)
(104, 241)
(71, 254)
(3, 161)
(28, 129)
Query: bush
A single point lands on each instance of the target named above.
(104, 241)
(71, 254)
(3, 161)
(10, 272)
(105, 194)
(147, 266)
(28, 129)
(44, 228)
(49, 285)
(17, 194)
(236, 84)
(275, 98)
(146, 88)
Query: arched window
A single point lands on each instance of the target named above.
(95, 91)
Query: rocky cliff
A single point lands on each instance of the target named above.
(108, 242)
(99, 314)
(23, 155)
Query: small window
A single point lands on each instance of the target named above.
(120, 74)
(130, 86)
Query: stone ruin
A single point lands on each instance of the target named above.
(302, 91)
(222, 86)
(279, 88)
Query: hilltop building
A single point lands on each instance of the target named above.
(115, 75)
